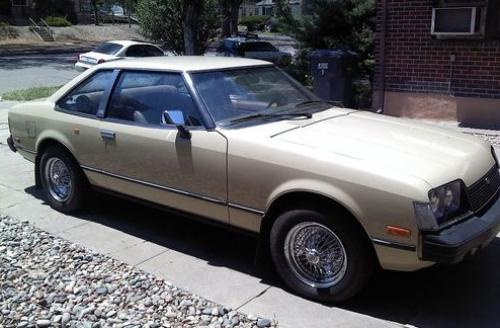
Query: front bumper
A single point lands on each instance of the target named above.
(11, 144)
(453, 244)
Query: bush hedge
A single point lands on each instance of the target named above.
(254, 23)
(57, 21)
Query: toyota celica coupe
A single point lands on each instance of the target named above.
(332, 193)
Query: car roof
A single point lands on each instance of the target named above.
(126, 43)
(184, 63)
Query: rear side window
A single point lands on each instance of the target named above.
(143, 51)
(142, 98)
(108, 48)
(85, 98)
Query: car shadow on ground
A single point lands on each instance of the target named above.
(462, 295)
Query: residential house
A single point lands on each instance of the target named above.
(22, 10)
(248, 8)
(439, 59)
(268, 7)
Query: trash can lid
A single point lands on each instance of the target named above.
(333, 53)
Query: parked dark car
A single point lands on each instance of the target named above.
(251, 48)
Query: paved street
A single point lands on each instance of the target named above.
(21, 72)
(218, 264)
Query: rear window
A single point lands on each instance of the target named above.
(108, 48)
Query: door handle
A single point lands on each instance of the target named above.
(107, 134)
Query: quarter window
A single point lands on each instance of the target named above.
(143, 51)
(143, 97)
(86, 97)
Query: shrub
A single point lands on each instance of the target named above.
(7, 31)
(57, 21)
(254, 22)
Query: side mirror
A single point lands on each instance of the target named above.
(176, 117)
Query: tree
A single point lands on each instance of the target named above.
(332, 24)
(182, 26)
(229, 12)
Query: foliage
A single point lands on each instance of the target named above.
(7, 31)
(334, 24)
(30, 94)
(56, 8)
(162, 21)
(254, 23)
(57, 21)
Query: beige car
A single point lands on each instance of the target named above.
(332, 193)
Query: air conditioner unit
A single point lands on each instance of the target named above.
(458, 21)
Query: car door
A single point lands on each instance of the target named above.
(148, 159)
(78, 123)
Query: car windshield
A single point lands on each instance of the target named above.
(108, 48)
(254, 93)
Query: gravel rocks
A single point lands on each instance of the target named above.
(46, 281)
(494, 140)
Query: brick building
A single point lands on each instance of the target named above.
(439, 59)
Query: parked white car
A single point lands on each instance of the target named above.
(114, 50)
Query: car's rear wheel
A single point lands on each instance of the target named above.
(320, 257)
(63, 182)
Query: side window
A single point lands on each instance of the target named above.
(135, 51)
(86, 97)
(153, 51)
(142, 98)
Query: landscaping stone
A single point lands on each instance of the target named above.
(46, 281)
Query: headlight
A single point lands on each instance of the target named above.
(445, 204)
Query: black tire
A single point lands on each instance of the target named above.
(75, 199)
(359, 255)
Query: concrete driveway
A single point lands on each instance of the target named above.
(218, 264)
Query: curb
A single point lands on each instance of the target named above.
(45, 51)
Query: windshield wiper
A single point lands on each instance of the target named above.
(258, 115)
(330, 102)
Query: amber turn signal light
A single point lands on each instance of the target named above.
(397, 231)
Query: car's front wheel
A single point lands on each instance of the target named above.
(318, 256)
(62, 180)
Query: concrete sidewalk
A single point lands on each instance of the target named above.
(218, 264)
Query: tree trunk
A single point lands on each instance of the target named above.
(128, 14)
(233, 18)
(226, 18)
(94, 7)
(189, 24)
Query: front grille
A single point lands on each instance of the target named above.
(484, 189)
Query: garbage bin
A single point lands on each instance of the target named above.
(332, 74)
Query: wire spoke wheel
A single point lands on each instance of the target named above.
(315, 254)
(58, 178)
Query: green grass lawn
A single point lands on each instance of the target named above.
(30, 94)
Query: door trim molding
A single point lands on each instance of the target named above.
(174, 190)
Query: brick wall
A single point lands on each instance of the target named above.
(415, 62)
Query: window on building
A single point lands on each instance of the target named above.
(466, 19)
(20, 3)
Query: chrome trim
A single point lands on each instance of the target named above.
(245, 208)
(154, 185)
(393, 244)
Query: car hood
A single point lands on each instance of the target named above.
(434, 155)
